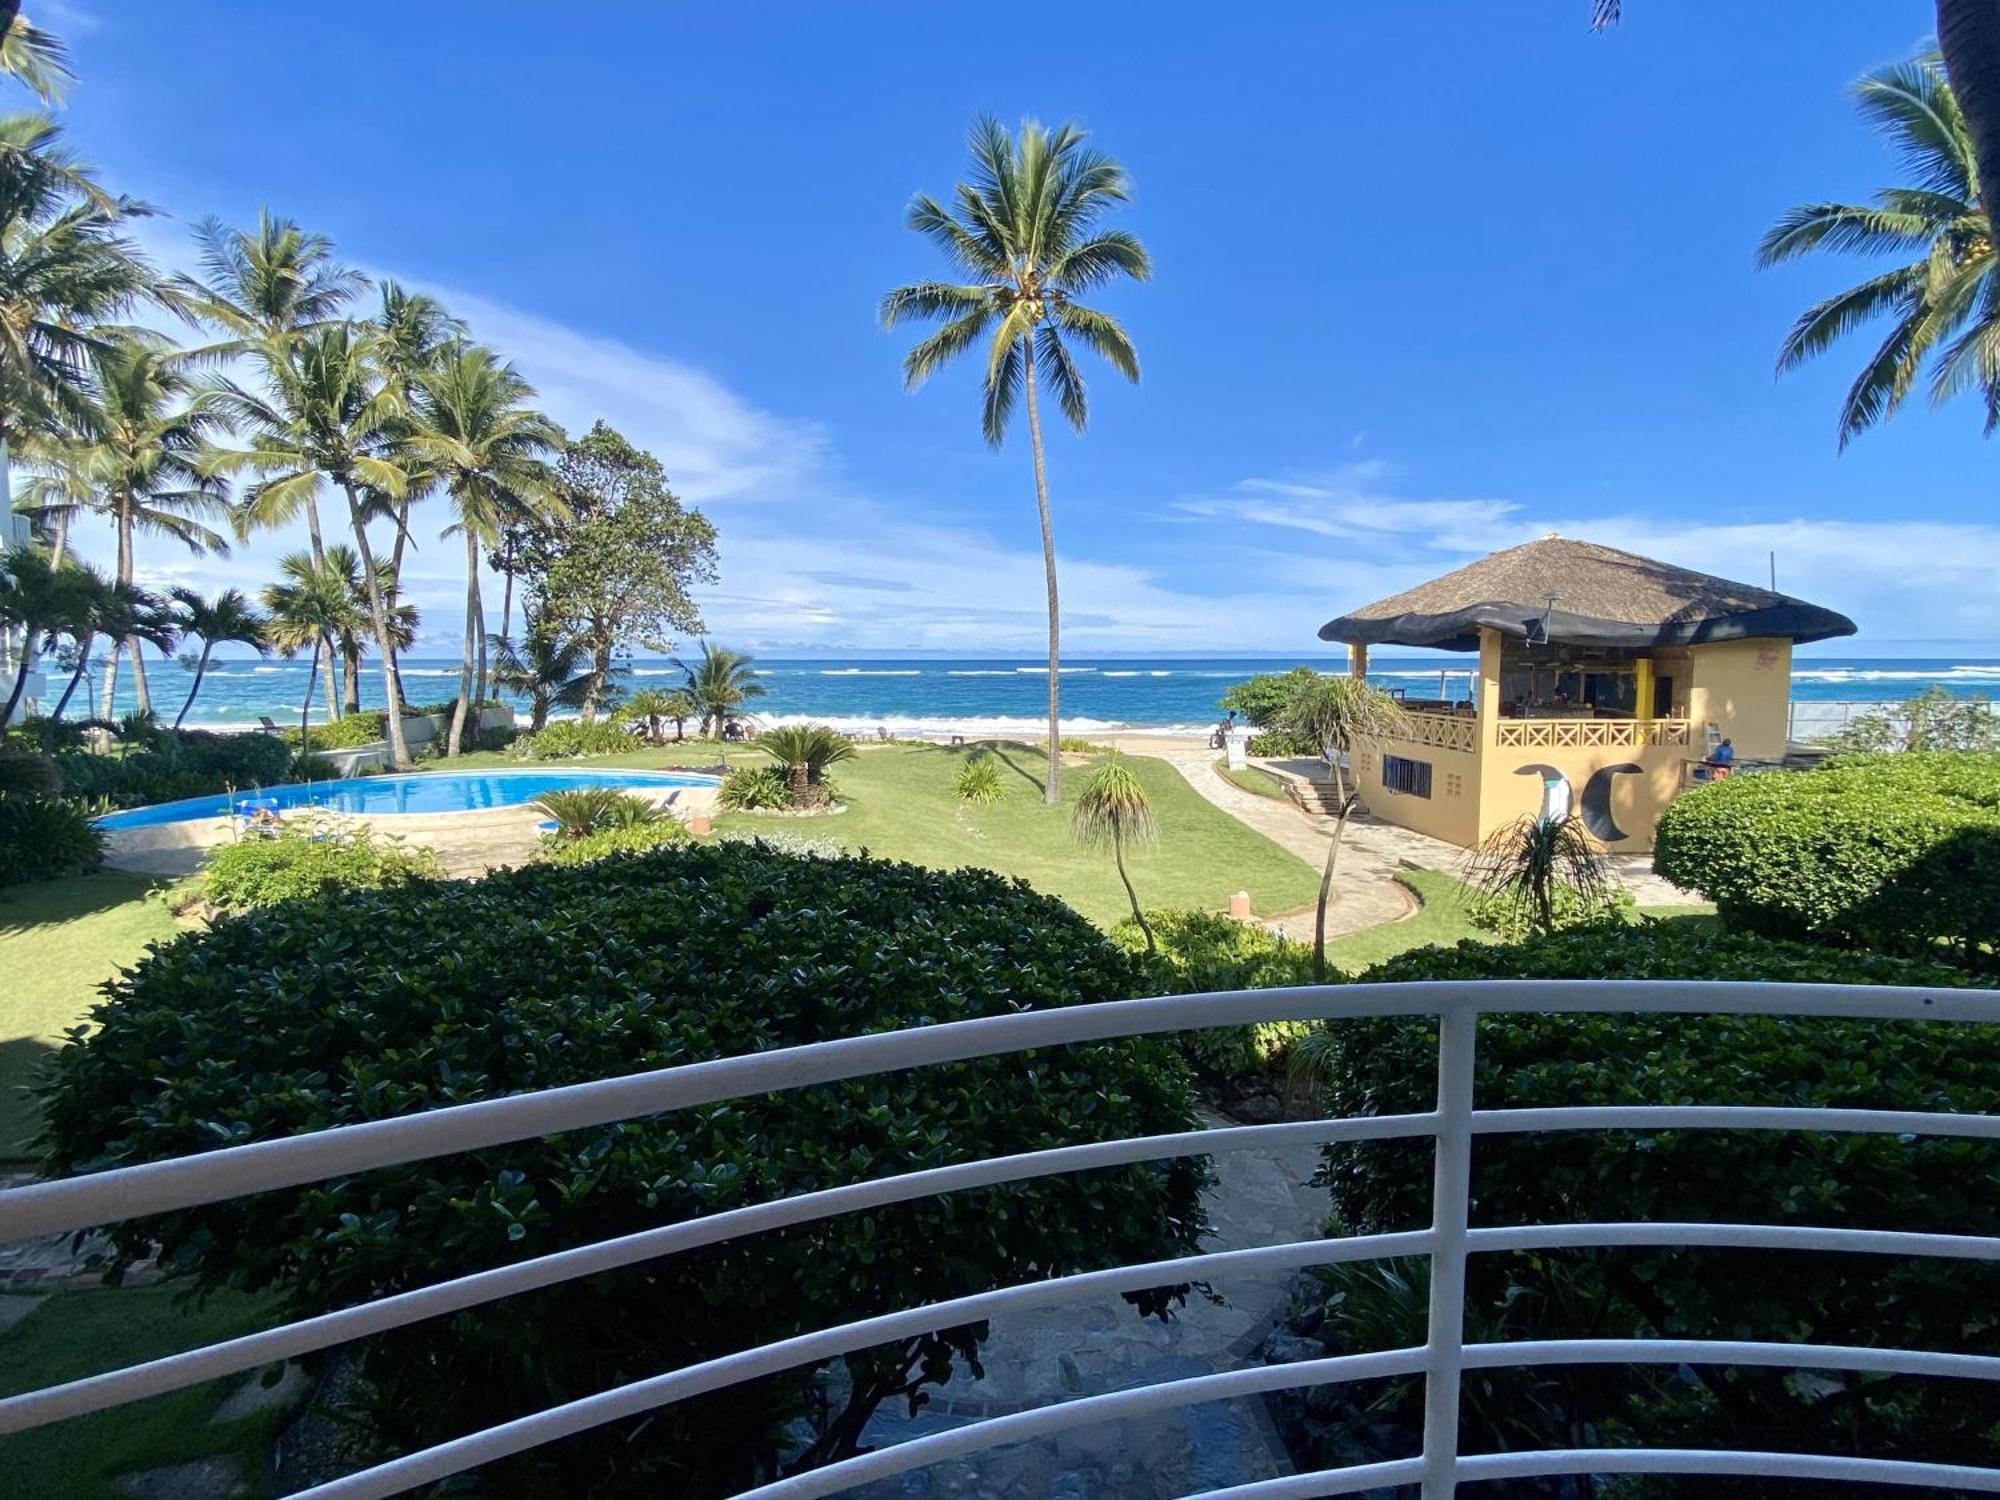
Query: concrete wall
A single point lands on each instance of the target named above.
(418, 731)
(1743, 688)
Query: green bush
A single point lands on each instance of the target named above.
(573, 737)
(1199, 951)
(1936, 719)
(1897, 852)
(1510, 921)
(628, 838)
(1281, 744)
(193, 763)
(311, 860)
(754, 789)
(367, 1004)
(368, 727)
(25, 772)
(595, 809)
(42, 838)
(1261, 700)
(979, 781)
(1882, 1181)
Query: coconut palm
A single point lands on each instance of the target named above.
(228, 618)
(805, 751)
(1112, 811)
(720, 681)
(490, 451)
(1025, 235)
(1336, 713)
(136, 463)
(550, 673)
(44, 601)
(1942, 304)
(33, 56)
(310, 604)
(1535, 864)
(324, 418)
(264, 288)
(651, 706)
(118, 611)
(412, 333)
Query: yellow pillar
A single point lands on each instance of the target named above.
(1488, 696)
(1357, 658)
(1642, 688)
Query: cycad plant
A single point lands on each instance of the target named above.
(582, 811)
(720, 681)
(1535, 868)
(805, 751)
(1336, 714)
(1023, 232)
(1941, 303)
(229, 617)
(1111, 812)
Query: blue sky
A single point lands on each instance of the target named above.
(1431, 279)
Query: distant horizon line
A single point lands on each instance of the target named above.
(1444, 659)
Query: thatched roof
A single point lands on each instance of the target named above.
(1606, 598)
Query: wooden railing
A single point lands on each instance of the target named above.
(1591, 734)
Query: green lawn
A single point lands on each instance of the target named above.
(1253, 779)
(59, 941)
(72, 1334)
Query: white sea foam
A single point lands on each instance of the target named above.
(868, 672)
(912, 725)
(1044, 671)
(980, 672)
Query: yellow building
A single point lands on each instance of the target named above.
(1606, 682)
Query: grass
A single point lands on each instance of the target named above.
(901, 806)
(1444, 918)
(1252, 779)
(78, 1333)
(59, 941)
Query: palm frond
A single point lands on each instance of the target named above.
(1913, 105)
(1851, 227)
(1052, 356)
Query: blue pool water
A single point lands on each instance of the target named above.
(430, 792)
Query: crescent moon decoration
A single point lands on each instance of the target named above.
(1556, 791)
(1597, 802)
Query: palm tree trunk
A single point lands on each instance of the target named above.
(479, 679)
(332, 703)
(60, 545)
(142, 696)
(82, 660)
(305, 708)
(312, 531)
(1052, 792)
(110, 684)
(20, 688)
(1326, 890)
(1118, 855)
(200, 667)
(350, 680)
(455, 743)
(1968, 33)
(507, 598)
(399, 753)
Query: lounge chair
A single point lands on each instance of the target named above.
(266, 726)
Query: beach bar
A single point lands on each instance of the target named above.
(1606, 683)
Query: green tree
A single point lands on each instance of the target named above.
(1936, 719)
(805, 751)
(1261, 699)
(720, 682)
(1336, 713)
(1025, 235)
(1942, 303)
(547, 670)
(1111, 812)
(265, 287)
(312, 601)
(622, 567)
(44, 600)
(490, 450)
(117, 611)
(412, 334)
(229, 617)
(33, 56)
(652, 706)
(324, 418)
(136, 461)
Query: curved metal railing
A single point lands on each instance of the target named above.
(1454, 1123)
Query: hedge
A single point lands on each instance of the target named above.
(43, 839)
(1898, 852)
(1200, 951)
(194, 763)
(305, 861)
(571, 738)
(1531, 1061)
(366, 1004)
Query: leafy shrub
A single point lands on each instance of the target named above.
(754, 789)
(1936, 719)
(42, 838)
(1281, 744)
(595, 809)
(368, 727)
(317, 768)
(193, 763)
(979, 781)
(46, 734)
(778, 841)
(1261, 700)
(311, 860)
(1200, 951)
(366, 1004)
(625, 838)
(1069, 744)
(573, 737)
(25, 772)
(1531, 1061)
(1898, 852)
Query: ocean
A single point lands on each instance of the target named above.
(1006, 695)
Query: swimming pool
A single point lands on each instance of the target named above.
(425, 792)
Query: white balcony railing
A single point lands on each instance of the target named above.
(1454, 1122)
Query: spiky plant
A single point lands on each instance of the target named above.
(582, 811)
(805, 751)
(979, 780)
(1025, 236)
(1532, 866)
(1112, 811)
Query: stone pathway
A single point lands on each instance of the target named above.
(1103, 1345)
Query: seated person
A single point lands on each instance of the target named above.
(1722, 758)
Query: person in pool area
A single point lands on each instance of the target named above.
(1722, 759)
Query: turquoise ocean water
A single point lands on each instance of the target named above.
(1007, 695)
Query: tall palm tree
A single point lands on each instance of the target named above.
(33, 56)
(136, 462)
(413, 332)
(1337, 713)
(1112, 811)
(264, 286)
(43, 600)
(720, 681)
(325, 417)
(1943, 303)
(307, 606)
(1025, 235)
(118, 611)
(229, 617)
(549, 672)
(490, 450)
